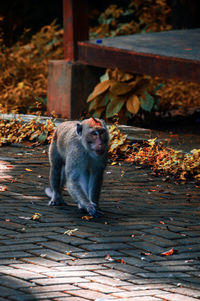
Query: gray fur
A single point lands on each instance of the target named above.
(76, 163)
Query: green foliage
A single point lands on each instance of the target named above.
(117, 92)
(147, 102)
(139, 16)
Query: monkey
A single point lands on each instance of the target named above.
(78, 158)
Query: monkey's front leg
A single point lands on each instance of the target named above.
(79, 195)
(95, 183)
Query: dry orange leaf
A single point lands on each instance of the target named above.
(109, 258)
(99, 89)
(121, 260)
(87, 217)
(3, 188)
(118, 88)
(36, 216)
(129, 160)
(170, 252)
(133, 104)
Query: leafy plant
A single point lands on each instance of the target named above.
(118, 92)
(140, 16)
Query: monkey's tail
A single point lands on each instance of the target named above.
(48, 192)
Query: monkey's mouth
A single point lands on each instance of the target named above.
(99, 152)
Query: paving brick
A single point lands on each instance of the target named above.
(138, 293)
(6, 291)
(85, 267)
(13, 254)
(42, 296)
(60, 280)
(94, 286)
(143, 298)
(72, 299)
(49, 254)
(105, 246)
(88, 294)
(41, 261)
(24, 246)
(50, 288)
(61, 247)
(186, 291)
(124, 267)
(112, 239)
(13, 282)
(115, 274)
(163, 274)
(31, 267)
(68, 273)
(26, 275)
(176, 297)
(103, 254)
(108, 281)
(21, 241)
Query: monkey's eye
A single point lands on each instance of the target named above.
(102, 131)
(94, 133)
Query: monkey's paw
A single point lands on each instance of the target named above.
(92, 210)
(57, 203)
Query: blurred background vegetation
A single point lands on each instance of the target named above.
(31, 34)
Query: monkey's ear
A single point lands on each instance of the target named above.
(79, 129)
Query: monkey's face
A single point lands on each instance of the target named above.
(97, 141)
(94, 135)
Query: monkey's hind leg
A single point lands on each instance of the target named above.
(57, 178)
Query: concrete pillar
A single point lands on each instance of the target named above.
(69, 84)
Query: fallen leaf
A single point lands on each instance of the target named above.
(36, 216)
(170, 252)
(28, 169)
(70, 232)
(109, 258)
(3, 188)
(121, 260)
(87, 217)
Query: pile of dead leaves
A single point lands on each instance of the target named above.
(24, 69)
(16, 131)
(165, 160)
(161, 159)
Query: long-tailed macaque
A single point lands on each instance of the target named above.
(77, 156)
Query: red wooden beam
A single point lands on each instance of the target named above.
(130, 61)
(75, 23)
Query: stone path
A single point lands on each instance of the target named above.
(117, 257)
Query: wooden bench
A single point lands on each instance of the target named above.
(171, 54)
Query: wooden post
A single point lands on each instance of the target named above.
(69, 82)
(75, 22)
(69, 85)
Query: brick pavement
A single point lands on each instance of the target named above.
(116, 257)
